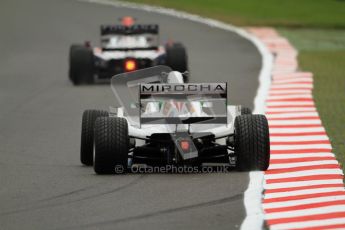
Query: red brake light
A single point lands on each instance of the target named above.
(130, 65)
(184, 145)
(127, 21)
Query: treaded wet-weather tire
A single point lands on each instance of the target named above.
(252, 143)
(87, 132)
(81, 65)
(111, 145)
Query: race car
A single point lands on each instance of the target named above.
(164, 121)
(124, 48)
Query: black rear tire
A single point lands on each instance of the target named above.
(245, 110)
(111, 145)
(176, 57)
(81, 65)
(71, 71)
(252, 143)
(87, 132)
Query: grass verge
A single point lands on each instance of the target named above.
(288, 13)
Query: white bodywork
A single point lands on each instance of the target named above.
(143, 131)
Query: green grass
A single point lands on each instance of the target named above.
(315, 27)
(288, 13)
(329, 93)
(306, 39)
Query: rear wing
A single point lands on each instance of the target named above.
(129, 30)
(204, 103)
(124, 38)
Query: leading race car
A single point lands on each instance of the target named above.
(124, 48)
(164, 121)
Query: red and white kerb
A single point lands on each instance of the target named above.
(304, 184)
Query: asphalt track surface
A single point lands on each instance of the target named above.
(42, 183)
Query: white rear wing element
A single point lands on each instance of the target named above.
(204, 103)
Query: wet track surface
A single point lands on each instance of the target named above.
(43, 185)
